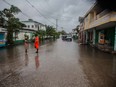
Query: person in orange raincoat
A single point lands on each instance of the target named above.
(36, 43)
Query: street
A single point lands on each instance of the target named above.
(58, 64)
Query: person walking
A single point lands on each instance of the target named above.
(26, 43)
(36, 43)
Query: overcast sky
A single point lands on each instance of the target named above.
(66, 11)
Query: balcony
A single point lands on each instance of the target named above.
(110, 17)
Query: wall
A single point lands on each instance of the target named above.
(109, 35)
(2, 39)
(20, 36)
(35, 25)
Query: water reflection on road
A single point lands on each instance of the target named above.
(58, 64)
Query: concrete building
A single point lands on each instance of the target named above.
(18, 36)
(33, 25)
(31, 28)
(81, 35)
(100, 28)
(75, 32)
(2, 37)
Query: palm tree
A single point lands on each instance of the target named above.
(13, 24)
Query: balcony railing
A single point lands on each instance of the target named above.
(101, 20)
(104, 19)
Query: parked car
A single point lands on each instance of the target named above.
(67, 37)
(64, 37)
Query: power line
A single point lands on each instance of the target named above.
(6, 2)
(48, 5)
(41, 7)
(39, 12)
(44, 9)
(36, 10)
(26, 15)
(21, 11)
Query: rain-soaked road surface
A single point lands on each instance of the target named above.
(58, 64)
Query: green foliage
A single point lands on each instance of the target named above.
(41, 32)
(14, 23)
(63, 32)
(50, 31)
(2, 20)
(14, 9)
(7, 19)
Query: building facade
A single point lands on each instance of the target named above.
(34, 25)
(30, 29)
(2, 37)
(100, 28)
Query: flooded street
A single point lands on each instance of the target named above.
(58, 64)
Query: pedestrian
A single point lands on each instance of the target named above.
(36, 43)
(26, 43)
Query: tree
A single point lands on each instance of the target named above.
(2, 20)
(13, 24)
(51, 31)
(63, 32)
(81, 19)
(77, 29)
(41, 33)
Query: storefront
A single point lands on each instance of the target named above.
(89, 37)
(106, 36)
(105, 39)
(2, 39)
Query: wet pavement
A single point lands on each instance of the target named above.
(58, 64)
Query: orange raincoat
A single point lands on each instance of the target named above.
(36, 44)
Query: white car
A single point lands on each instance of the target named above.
(69, 38)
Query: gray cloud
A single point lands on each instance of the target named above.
(67, 12)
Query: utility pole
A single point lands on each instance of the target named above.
(56, 24)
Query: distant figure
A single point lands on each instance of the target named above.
(36, 43)
(26, 43)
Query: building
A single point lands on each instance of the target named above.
(42, 26)
(100, 28)
(81, 35)
(2, 37)
(33, 25)
(75, 32)
(18, 36)
(30, 28)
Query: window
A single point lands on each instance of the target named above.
(32, 26)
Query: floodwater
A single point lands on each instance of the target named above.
(58, 64)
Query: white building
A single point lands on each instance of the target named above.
(42, 27)
(30, 29)
(33, 25)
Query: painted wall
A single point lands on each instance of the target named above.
(32, 25)
(2, 39)
(109, 34)
(21, 35)
(91, 22)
